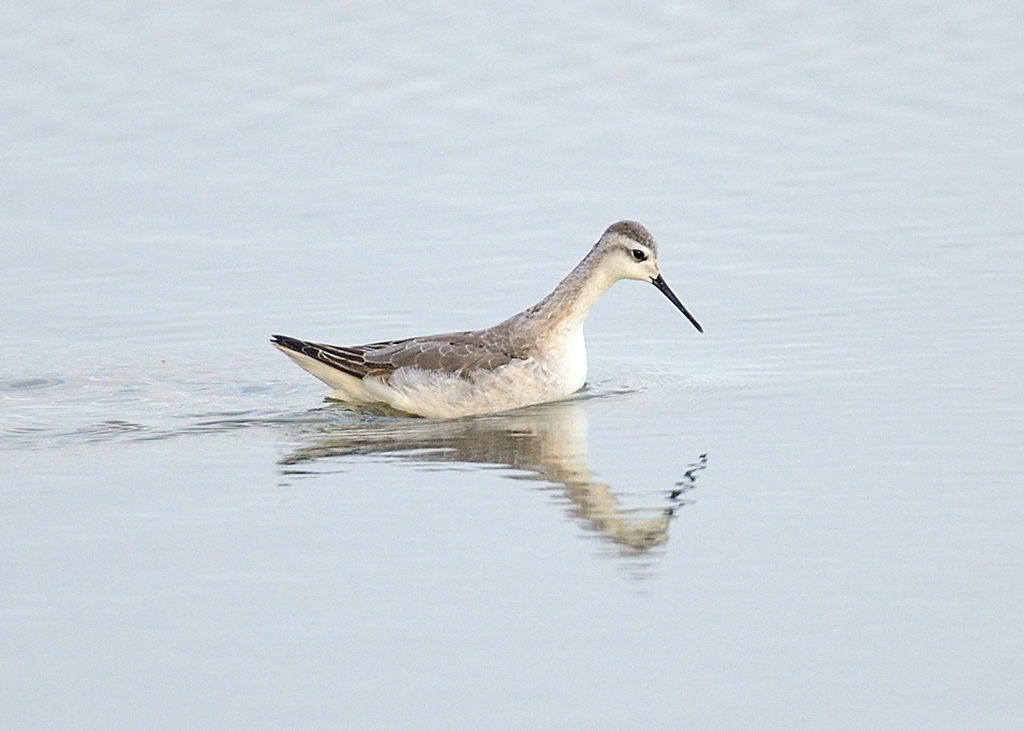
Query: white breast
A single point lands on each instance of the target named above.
(573, 365)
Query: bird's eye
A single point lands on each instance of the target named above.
(639, 255)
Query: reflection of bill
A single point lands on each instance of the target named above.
(545, 443)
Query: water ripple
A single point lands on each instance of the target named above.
(93, 409)
(29, 384)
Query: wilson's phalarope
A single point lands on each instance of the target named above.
(536, 356)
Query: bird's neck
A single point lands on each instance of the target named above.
(567, 306)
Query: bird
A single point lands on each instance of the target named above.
(535, 356)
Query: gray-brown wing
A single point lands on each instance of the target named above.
(456, 353)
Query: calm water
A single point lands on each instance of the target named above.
(811, 516)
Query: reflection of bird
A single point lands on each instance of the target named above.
(536, 356)
(547, 443)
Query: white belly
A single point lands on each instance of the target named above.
(555, 374)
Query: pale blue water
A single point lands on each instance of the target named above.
(808, 517)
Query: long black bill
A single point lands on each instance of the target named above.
(660, 283)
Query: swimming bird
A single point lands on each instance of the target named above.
(535, 356)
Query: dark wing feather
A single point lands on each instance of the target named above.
(351, 360)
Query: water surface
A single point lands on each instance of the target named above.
(810, 516)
